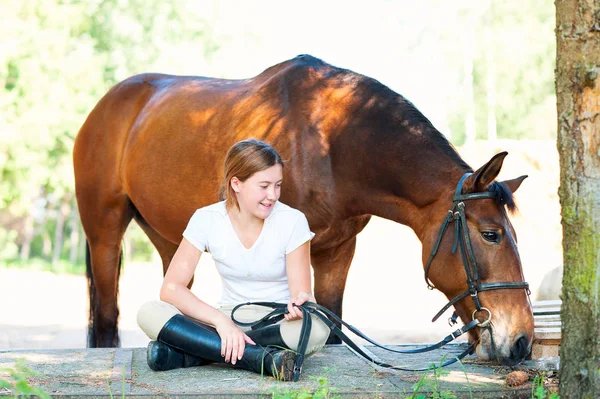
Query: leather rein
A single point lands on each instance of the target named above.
(474, 286)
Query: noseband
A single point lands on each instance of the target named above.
(461, 239)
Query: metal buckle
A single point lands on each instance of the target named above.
(484, 323)
(452, 319)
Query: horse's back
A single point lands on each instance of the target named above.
(107, 125)
(143, 96)
(161, 139)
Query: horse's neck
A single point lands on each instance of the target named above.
(413, 192)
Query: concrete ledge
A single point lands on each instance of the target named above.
(93, 373)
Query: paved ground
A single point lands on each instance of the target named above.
(93, 373)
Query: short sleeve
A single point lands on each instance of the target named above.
(197, 230)
(300, 234)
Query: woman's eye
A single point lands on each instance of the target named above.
(490, 236)
(264, 187)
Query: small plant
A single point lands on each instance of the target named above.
(323, 391)
(122, 385)
(538, 391)
(431, 380)
(20, 386)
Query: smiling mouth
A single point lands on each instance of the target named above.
(268, 206)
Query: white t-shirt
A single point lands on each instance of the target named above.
(257, 273)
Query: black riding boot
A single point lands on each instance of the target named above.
(162, 357)
(182, 334)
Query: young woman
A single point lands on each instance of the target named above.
(261, 248)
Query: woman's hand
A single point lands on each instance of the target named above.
(294, 312)
(233, 340)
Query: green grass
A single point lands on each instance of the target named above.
(538, 391)
(110, 393)
(323, 391)
(431, 380)
(19, 386)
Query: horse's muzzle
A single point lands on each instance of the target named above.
(519, 350)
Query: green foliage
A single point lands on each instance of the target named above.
(518, 38)
(19, 386)
(8, 248)
(59, 61)
(323, 390)
(110, 393)
(431, 381)
(538, 391)
(63, 266)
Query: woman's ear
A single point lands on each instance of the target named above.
(235, 184)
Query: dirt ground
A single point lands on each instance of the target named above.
(385, 297)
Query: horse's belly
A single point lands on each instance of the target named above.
(166, 185)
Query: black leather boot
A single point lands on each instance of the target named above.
(161, 357)
(202, 341)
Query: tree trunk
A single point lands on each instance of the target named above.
(27, 237)
(59, 232)
(578, 99)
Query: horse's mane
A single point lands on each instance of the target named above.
(405, 111)
(503, 195)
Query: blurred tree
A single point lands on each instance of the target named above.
(578, 92)
(61, 58)
(46, 73)
(513, 47)
(136, 36)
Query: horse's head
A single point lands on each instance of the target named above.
(476, 263)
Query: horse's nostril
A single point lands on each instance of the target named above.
(520, 349)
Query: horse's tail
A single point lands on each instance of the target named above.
(91, 336)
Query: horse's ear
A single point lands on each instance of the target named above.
(485, 175)
(514, 184)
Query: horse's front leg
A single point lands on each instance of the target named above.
(331, 270)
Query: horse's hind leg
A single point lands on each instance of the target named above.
(105, 219)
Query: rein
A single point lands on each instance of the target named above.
(461, 241)
(308, 308)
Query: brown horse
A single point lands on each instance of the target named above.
(153, 148)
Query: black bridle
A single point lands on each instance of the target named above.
(474, 287)
(461, 239)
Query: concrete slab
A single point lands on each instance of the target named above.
(98, 373)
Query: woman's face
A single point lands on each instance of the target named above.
(258, 194)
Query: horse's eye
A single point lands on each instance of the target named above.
(490, 236)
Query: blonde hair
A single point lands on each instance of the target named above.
(244, 159)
